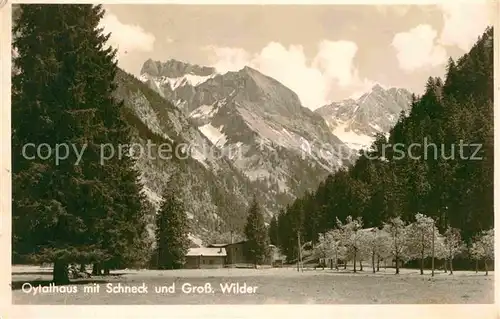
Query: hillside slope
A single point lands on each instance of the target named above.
(215, 193)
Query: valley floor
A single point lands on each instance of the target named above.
(274, 286)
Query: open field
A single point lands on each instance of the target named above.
(274, 286)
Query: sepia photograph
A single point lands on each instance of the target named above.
(171, 154)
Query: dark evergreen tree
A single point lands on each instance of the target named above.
(62, 93)
(273, 231)
(256, 234)
(172, 242)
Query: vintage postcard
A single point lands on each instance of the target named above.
(278, 154)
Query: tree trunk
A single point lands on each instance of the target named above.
(345, 264)
(361, 265)
(96, 270)
(433, 254)
(451, 266)
(373, 261)
(336, 259)
(354, 261)
(486, 267)
(422, 256)
(445, 265)
(60, 273)
(422, 262)
(83, 268)
(106, 271)
(378, 263)
(397, 265)
(477, 265)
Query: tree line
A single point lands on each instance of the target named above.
(453, 189)
(397, 242)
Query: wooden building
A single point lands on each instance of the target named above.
(205, 257)
(236, 254)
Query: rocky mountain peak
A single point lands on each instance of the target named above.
(260, 87)
(377, 87)
(150, 67)
(356, 122)
(173, 68)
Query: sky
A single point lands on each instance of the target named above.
(323, 53)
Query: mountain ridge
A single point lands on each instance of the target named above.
(357, 121)
(278, 139)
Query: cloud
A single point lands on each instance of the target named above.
(397, 10)
(336, 59)
(228, 59)
(463, 23)
(289, 66)
(126, 37)
(417, 49)
(314, 81)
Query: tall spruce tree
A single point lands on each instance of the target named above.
(172, 242)
(71, 211)
(273, 231)
(256, 233)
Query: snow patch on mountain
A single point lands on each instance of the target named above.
(352, 139)
(179, 103)
(187, 79)
(204, 112)
(214, 134)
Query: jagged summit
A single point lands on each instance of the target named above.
(186, 85)
(377, 87)
(356, 121)
(174, 68)
(252, 85)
